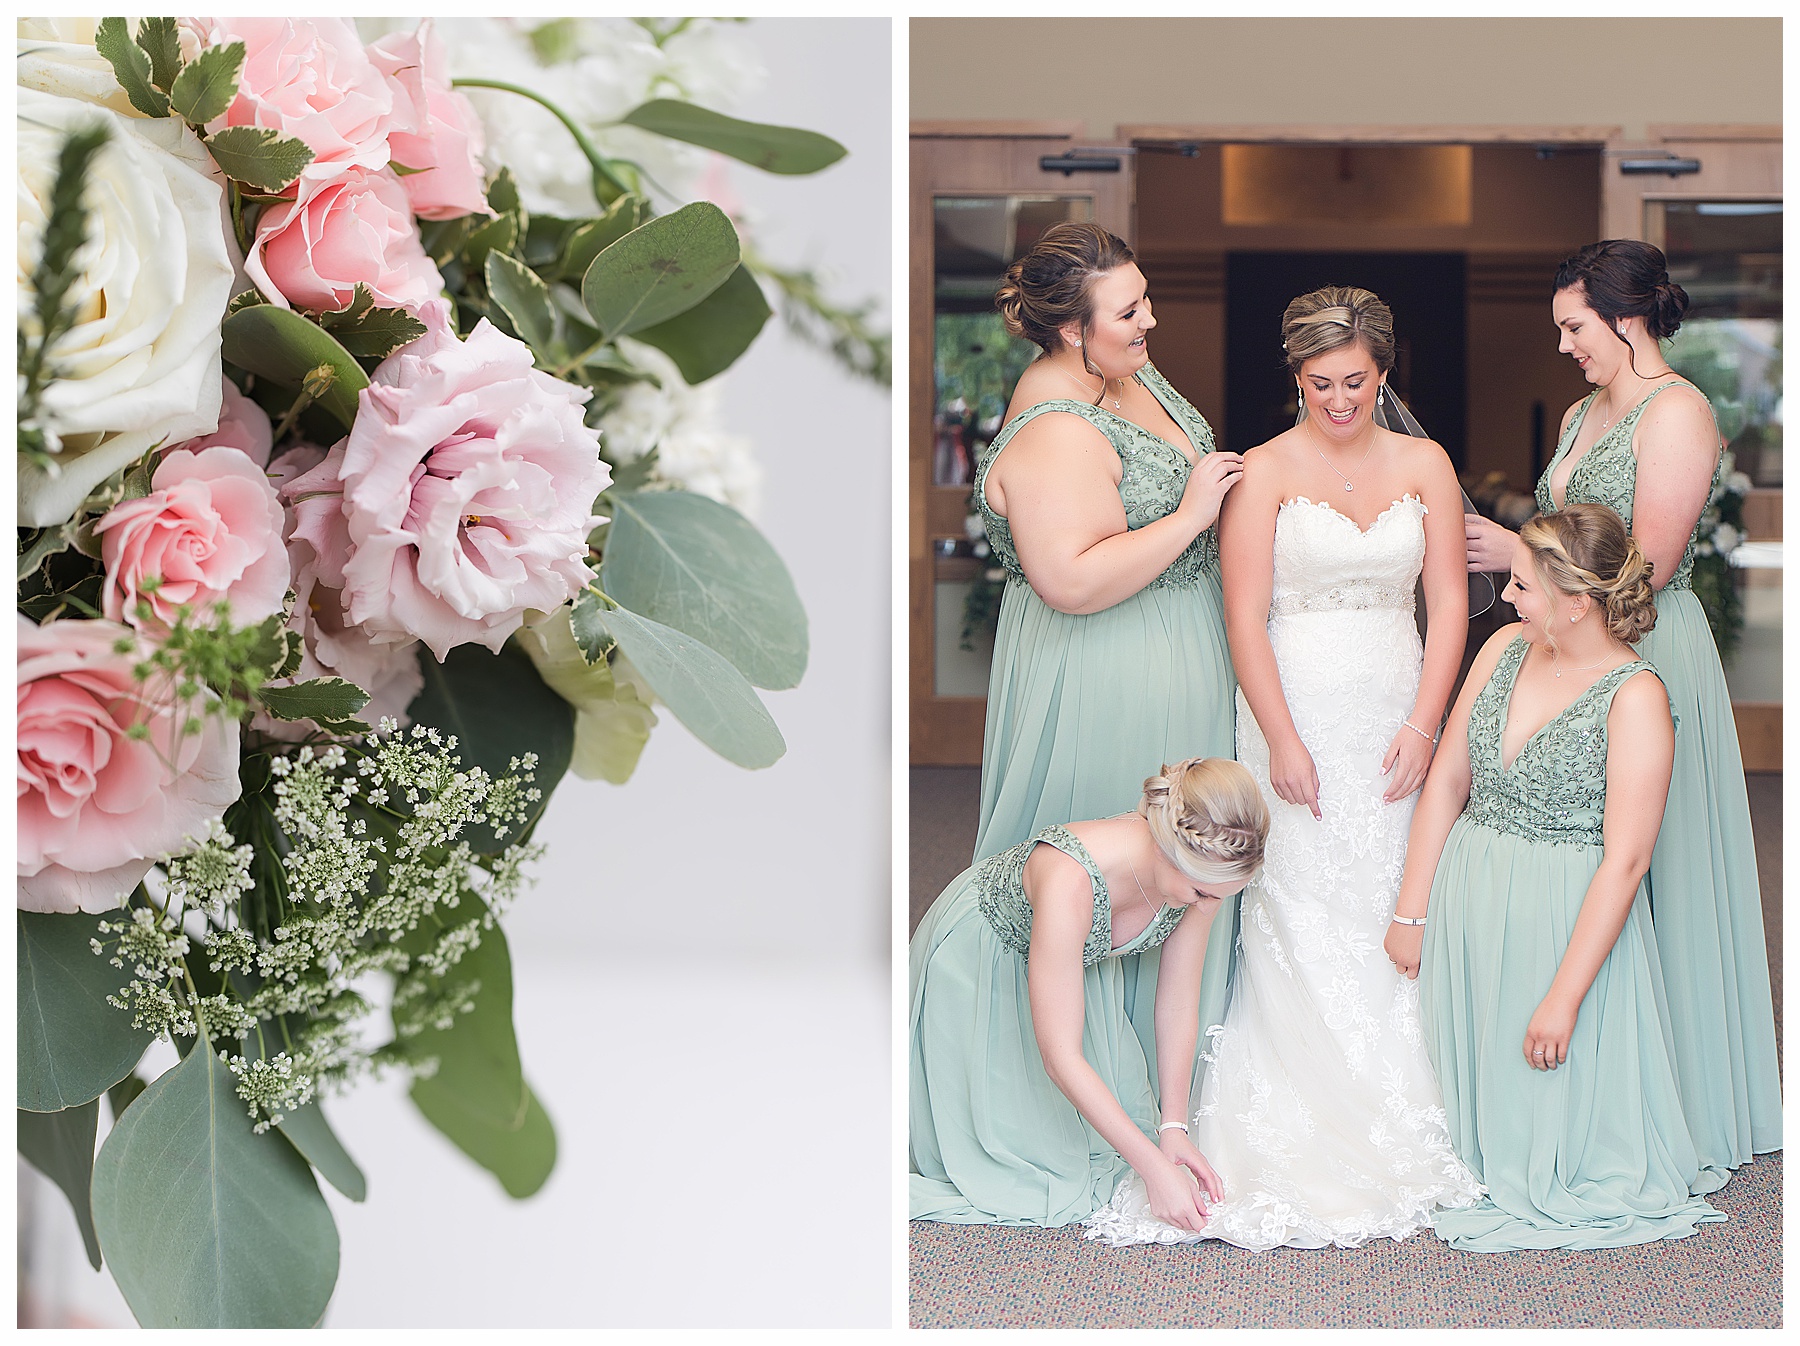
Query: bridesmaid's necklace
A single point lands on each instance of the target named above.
(1313, 439)
(1556, 668)
(1140, 887)
(1651, 378)
(1103, 393)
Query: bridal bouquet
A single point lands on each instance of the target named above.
(327, 574)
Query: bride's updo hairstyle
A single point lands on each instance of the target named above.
(1623, 278)
(1318, 323)
(1053, 284)
(1209, 818)
(1585, 549)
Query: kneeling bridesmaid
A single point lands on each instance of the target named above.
(1031, 1039)
(1541, 994)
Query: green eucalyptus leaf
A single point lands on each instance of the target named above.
(203, 90)
(592, 237)
(478, 1055)
(330, 703)
(162, 43)
(520, 1157)
(284, 347)
(613, 718)
(205, 1223)
(309, 1132)
(696, 683)
(131, 66)
(258, 156)
(123, 1094)
(460, 696)
(524, 299)
(701, 567)
(708, 338)
(72, 1045)
(60, 1145)
(775, 149)
(660, 269)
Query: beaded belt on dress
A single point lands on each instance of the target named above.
(1344, 597)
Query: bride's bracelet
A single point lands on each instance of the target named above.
(1171, 1126)
(1420, 732)
(1409, 920)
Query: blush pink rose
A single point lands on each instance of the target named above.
(311, 252)
(96, 806)
(318, 545)
(243, 426)
(209, 532)
(442, 135)
(469, 482)
(311, 79)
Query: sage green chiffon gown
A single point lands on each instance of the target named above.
(1596, 1153)
(1082, 708)
(1705, 902)
(991, 1140)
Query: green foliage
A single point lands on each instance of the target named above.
(592, 237)
(660, 269)
(701, 567)
(204, 1222)
(309, 1132)
(204, 90)
(525, 300)
(283, 347)
(696, 682)
(708, 339)
(73, 1045)
(775, 149)
(330, 703)
(847, 332)
(613, 718)
(259, 156)
(162, 43)
(368, 333)
(521, 1157)
(131, 65)
(60, 1145)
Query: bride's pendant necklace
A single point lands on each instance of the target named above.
(1103, 393)
(1348, 486)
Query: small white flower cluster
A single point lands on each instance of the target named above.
(683, 424)
(1716, 536)
(378, 844)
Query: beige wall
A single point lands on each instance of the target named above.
(1612, 72)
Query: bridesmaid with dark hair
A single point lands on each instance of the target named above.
(1645, 444)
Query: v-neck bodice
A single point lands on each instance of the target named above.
(1152, 478)
(1000, 894)
(1606, 473)
(1555, 787)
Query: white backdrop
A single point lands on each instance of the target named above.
(702, 971)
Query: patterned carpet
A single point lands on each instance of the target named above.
(1726, 1275)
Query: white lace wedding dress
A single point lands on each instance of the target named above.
(1320, 1111)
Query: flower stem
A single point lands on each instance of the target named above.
(607, 188)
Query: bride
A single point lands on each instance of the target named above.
(1319, 1109)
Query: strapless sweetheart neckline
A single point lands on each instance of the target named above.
(1332, 509)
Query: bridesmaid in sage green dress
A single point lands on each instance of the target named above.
(1100, 498)
(1645, 444)
(1031, 1091)
(1541, 995)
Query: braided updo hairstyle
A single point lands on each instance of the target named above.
(1585, 549)
(1209, 818)
(1338, 315)
(1626, 278)
(1052, 285)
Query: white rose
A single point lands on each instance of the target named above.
(57, 56)
(141, 365)
(1726, 538)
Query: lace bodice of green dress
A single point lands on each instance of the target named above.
(1607, 473)
(1154, 475)
(1000, 894)
(1555, 789)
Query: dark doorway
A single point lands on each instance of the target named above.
(1428, 293)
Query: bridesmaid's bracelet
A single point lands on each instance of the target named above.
(1409, 920)
(1420, 732)
(1172, 1126)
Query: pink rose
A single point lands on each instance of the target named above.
(443, 134)
(311, 253)
(311, 79)
(318, 544)
(243, 426)
(469, 483)
(209, 531)
(96, 806)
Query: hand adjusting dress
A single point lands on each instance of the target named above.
(1081, 708)
(1705, 902)
(990, 1139)
(1594, 1154)
(1319, 1110)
